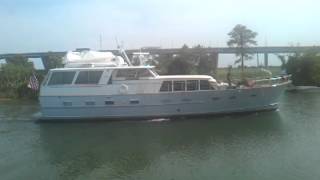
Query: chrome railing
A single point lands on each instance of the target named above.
(273, 80)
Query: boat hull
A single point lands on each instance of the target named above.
(132, 106)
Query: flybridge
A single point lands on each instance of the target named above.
(89, 58)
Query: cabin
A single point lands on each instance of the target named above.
(121, 80)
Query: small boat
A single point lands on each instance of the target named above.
(102, 85)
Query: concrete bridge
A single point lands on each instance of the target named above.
(215, 51)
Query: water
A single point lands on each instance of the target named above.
(282, 144)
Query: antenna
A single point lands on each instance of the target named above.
(100, 41)
(117, 42)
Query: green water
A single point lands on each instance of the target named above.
(282, 144)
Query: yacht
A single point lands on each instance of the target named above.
(102, 85)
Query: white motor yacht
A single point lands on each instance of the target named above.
(102, 85)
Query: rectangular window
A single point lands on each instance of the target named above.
(192, 85)
(109, 102)
(166, 86)
(127, 74)
(215, 98)
(90, 103)
(134, 101)
(204, 85)
(61, 78)
(144, 73)
(88, 77)
(179, 85)
(45, 80)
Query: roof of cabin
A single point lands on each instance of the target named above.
(103, 68)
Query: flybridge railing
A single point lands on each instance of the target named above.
(274, 80)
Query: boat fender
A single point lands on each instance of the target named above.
(123, 89)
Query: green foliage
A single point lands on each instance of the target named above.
(241, 37)
(305, 69)
(179, 66)
(14, 78)
(205, 66)
(52, 61)
(188, 61)
(18, 60)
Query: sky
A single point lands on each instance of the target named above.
(60, 25)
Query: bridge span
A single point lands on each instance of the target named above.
(214, 50)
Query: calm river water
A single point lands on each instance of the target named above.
(283, 144)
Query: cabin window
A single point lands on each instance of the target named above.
(89, 77)
(166, 86)
(61, 78)
(90, 103)
(204, 85)
(179, 85)
(45, 80)
(192, 85)
(144, 73)
(127, 74)
(133, 74)
(134, 101)
(109, 102)
(215, 98)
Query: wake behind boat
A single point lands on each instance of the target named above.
(102, 85)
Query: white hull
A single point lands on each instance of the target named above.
(161, 104)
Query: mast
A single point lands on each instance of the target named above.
(123, 53)
(126, 58)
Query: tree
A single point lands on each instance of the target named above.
(179, 66)
(52, 61)
(19, 60)
(305, 69)
(241, 37)
(14, 79)
(205, 64)
(188, 60)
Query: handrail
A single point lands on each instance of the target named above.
(274, 80)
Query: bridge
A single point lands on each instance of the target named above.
(214, 50)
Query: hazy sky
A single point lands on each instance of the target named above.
(43, 25)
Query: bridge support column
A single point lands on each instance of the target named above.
(266, 59)
(45, 62)
(215, 61)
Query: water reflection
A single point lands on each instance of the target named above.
(18, 110)
(125, 149)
